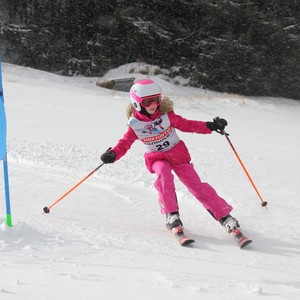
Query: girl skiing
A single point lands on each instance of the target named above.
(153, 121)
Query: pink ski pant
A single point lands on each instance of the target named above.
(188, 176)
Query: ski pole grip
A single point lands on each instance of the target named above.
(223, 132)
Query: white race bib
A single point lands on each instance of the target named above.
(157, 135)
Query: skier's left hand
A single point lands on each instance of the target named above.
(217, 125)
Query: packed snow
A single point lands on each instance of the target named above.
(107, 238)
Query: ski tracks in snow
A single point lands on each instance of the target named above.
(108, 233)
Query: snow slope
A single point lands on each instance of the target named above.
(107, 239)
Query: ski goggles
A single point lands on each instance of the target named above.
(148, 101)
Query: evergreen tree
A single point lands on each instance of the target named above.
(249, 47)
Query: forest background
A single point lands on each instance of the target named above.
(248, 47)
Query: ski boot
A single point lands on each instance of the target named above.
(232, 226)
(175, 225)
(173, 220)
(229, 223)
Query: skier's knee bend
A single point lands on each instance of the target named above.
(163, 170)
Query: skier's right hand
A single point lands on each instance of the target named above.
(108, 157)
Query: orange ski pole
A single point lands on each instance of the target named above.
(263, 203)
(47, 208)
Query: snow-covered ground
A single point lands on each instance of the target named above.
(107, 239)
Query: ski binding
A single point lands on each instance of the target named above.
(241, 239)
(181, 237)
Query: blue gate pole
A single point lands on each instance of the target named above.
(3, 151)
(7, 195)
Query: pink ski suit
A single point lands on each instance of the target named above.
(166, 152)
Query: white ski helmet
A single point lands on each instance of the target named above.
(143, 89)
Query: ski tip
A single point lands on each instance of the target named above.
(186, 242)
(246, 243)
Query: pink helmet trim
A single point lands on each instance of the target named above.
(136, 97)
(145, 81)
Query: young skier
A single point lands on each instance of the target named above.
(153, 121)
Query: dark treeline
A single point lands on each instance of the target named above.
(250, 47)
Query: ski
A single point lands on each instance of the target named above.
(183, 240)
(241, 239)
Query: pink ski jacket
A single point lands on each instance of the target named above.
(159, 135)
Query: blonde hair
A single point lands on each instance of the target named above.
(165, 107)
